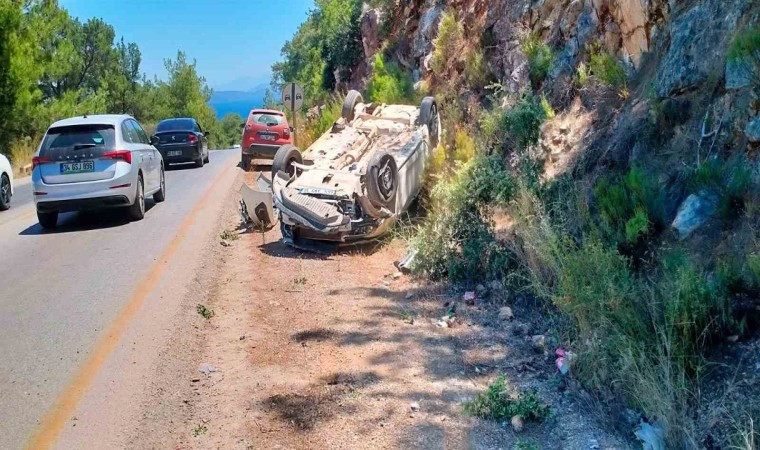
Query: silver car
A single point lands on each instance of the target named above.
(96, 162)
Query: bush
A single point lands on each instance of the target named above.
(629, 206)
(730, 179)
(497, 404)
(446, 45)
(607, 69)
(389, 83)
(540, 58)
(455, 241)
(520, 126)
(476, 72)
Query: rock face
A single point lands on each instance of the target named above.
(753, 130)
(632, 18)
(430, 16)
(370, 27)
(698, 39)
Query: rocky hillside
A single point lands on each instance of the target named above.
(629, 132)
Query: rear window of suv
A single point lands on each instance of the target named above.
(77, 142)
(266, 118)
(176, 125)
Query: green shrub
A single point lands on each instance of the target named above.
(630, 205)
(497, 404)
(607, 69)
(455, 241)
(476, 71)
(547, 107)
(447, 43)
(540, 57)
(582, 75)
(521, 125)
(730, 179)
(389, 83)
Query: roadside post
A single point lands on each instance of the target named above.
(292, 98)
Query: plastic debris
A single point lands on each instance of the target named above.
(407, 263)
(563, 360)
(207, 369)
(652, 437)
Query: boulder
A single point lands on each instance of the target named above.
(694, 212)
(632, 19)
(430, 16)
(753, 130)
(738, 73)
(370, 26)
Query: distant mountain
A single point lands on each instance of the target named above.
(235, 101)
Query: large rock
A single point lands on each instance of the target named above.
(738, 73)
(370, 27)
(430, 17)
(694, 212)
(698, 41)
(753, 130)
(631, 16)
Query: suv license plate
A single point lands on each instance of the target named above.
(77, 167)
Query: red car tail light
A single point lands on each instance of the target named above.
(37, 160)
(191, 138)
(286, 132)
(124, 155)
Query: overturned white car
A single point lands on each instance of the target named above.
(355, 180)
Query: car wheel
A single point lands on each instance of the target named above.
(137, 210)
(160, 196)
(5, 192)
(429, 117)
(47, 220)
(199, 161)
(208, 156)
(246, 162)
(382, 179)
(349, 105)
(284, 159)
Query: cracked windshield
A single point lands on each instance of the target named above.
(380, 224)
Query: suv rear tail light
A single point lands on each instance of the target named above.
(124, 155)
(193, 139)
(37, 160)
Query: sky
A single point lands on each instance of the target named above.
(234, 42)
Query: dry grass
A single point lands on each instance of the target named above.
(21, 152)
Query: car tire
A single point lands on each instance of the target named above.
(245, 161)
(160, 195)
(5, 192)
(136, 212)
(284, 159)
(382, 179)
(47, 220)
(199, 161)
(429, 116)
(208, 157)
(349, 105)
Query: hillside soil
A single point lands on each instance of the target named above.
(341, 351)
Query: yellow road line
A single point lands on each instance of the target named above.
(55, 419)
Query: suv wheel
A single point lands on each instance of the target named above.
(160, 196)
(5, 192)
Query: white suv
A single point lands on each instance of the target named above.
(95, 162)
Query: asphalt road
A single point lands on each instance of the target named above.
(60, 290)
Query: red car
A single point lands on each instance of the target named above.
(266, 130)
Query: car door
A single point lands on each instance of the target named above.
(150, 150)
(133, 144)
(149, 158)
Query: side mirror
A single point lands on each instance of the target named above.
(206, 133)
(154, 140)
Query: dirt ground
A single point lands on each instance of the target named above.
(340, 351)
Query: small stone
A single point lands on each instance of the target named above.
(733, 338)
(469, 297)
(397, 275)
(505, 313)
(593, 444)
(521, 329)
(496, 285)
(224, 243)
(539, 343)
(207, 369)
(414, 406)
(409, 296)
(517, 424)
